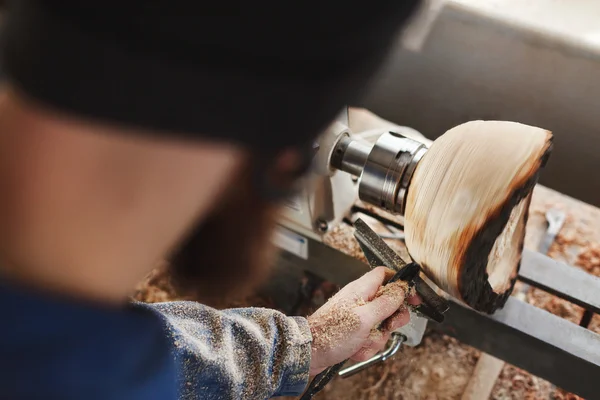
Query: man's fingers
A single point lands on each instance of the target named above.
(367, 285)
(414, 300)
(378, 340)
(397, 320)
(364, 354)
(380, 308)
(373, 347)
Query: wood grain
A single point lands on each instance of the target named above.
(467, 208)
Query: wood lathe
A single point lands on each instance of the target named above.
(372, 172)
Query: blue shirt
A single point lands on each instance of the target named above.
(54, 348)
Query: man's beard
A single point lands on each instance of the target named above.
(230, 252)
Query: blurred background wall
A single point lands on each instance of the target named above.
(535, 62)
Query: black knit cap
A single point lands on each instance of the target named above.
(267, 75)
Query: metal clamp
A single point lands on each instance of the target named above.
(385, 167)
(397, 340)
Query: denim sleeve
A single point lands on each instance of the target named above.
(245, 353)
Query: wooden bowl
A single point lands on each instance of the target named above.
(467, 208)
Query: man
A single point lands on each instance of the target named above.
(137, 131)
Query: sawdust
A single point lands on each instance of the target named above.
(375, 334)
(156, 287)
(589, 259)
(240, 343)
(438, 369)
(331, 326)
(395, 290)
(595, 324)
(514, 383)
(554, 305)
(560, 394)
(338, 320)
(342, 238)
(359, 301)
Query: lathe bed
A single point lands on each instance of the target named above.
(542, 334)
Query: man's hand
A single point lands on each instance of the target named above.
(345, 326)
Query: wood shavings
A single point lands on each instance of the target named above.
(342, 238)
(376, 386)
(589, 259)
(375, 334)
(514, 383)
(595, 324)
(156, 287)
(555, 305)
(560, 394)
(331, 327)
(395, 290)
(438, 369)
